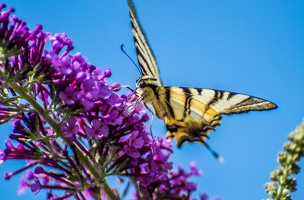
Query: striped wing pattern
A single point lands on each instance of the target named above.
(145, 56)
(189, 113)
(193, 112)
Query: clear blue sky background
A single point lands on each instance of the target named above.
(252, 47)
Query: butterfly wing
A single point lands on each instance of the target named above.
(189, 113)
(145, 56)
(193, 112)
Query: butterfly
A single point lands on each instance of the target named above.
(189, 113)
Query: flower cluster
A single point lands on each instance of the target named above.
(174, 186)
(283, 178)
(71, 126)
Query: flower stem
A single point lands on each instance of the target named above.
(109, 192)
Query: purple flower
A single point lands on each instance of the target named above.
(22, 186)
(204, 197)
(107, 73)
(114, 118)
(60, 64)
(2, 156)
(36, 187)
(89, 89)
(69, 96)
(60, 40)
(173, 186)
(103, 91)
(135, 141)
(115, 87)
(72, 128)
(132, 152)
(98, 130)
(194, 170)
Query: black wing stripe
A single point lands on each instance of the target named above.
(199, 90)
(230, 95)
(145, 70)
(141, 50)
(244, 102)
(145, 55)
(187, 105)
(218, 95)
(168, 103)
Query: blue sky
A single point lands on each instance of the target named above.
(252, 47)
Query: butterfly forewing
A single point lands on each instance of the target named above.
(145, 56)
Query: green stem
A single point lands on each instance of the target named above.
(56, 127)
(109, 191)
(23, 94)
(283, 178)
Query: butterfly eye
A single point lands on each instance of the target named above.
(142, 85)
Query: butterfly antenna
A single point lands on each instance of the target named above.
(214, 153)
(121, 47)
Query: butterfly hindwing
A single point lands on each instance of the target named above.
(193, 112)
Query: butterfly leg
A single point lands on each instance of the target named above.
(137, 101)
(136, 104)
(134, 93)
(128, 87)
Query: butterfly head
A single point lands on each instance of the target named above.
(146, 81)
(146, 87)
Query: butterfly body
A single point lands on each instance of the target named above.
(189, 113)
(147, 88)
